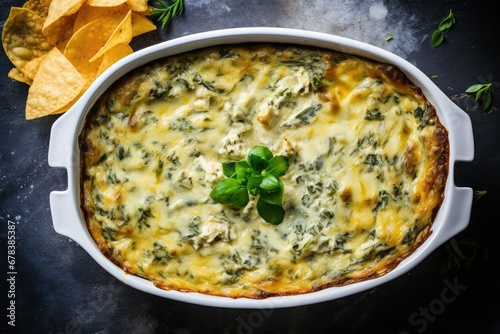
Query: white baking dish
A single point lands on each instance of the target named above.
(68, 220)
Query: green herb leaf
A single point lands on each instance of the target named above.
(271, 213)
(261, 151)
(229, 168)
(224, 190)
(445, 25)
(259, 157)
(243, 169)
(277, 166)
(164, 11)
(486, 99)
(456, 248)
(447, 22)
(474, 88)
(479, 93)
(462, 252)
(258, 175)
(257, 162)
(482, 92)
(253, 184)
(479, 193)
(437, 38)
(274, 197)
(270, 183)
(240, 198)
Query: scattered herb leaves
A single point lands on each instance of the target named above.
(478, 194)
(462, 253)
(258, 175)
(445, 25)
(165, 10)
(483, 93)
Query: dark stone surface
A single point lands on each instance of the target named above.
(60, 289)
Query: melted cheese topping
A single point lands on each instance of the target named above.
(368, 164)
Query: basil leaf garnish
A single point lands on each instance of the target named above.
(258, 176)
(271, 213)
(277, 166)
(225, 190)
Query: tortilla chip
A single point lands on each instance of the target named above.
(59, 33)
(105, 3)
(113, 55)
(61, 8)
(88, 14)
(138, 5)
(74, 41)
(121, 35)
(87, 41)
(32, 67)
(17, 75)
(141, 24)
(67, 106)
(40, 7)
(56, 84)
(22, 37)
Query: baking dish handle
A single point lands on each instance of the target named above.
(65, 216)
(462, 149)
(458, 214)
(60, 146)
(461, 133)
(63, 153)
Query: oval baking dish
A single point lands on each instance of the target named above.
(68, 219)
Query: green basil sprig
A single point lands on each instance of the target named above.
(258, 175)
(483, 92)
(163, 11)
(445, 25)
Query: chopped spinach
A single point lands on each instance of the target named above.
(374, 115)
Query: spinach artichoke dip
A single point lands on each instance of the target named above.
(367, 155)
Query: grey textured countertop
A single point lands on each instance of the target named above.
(59, 288)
